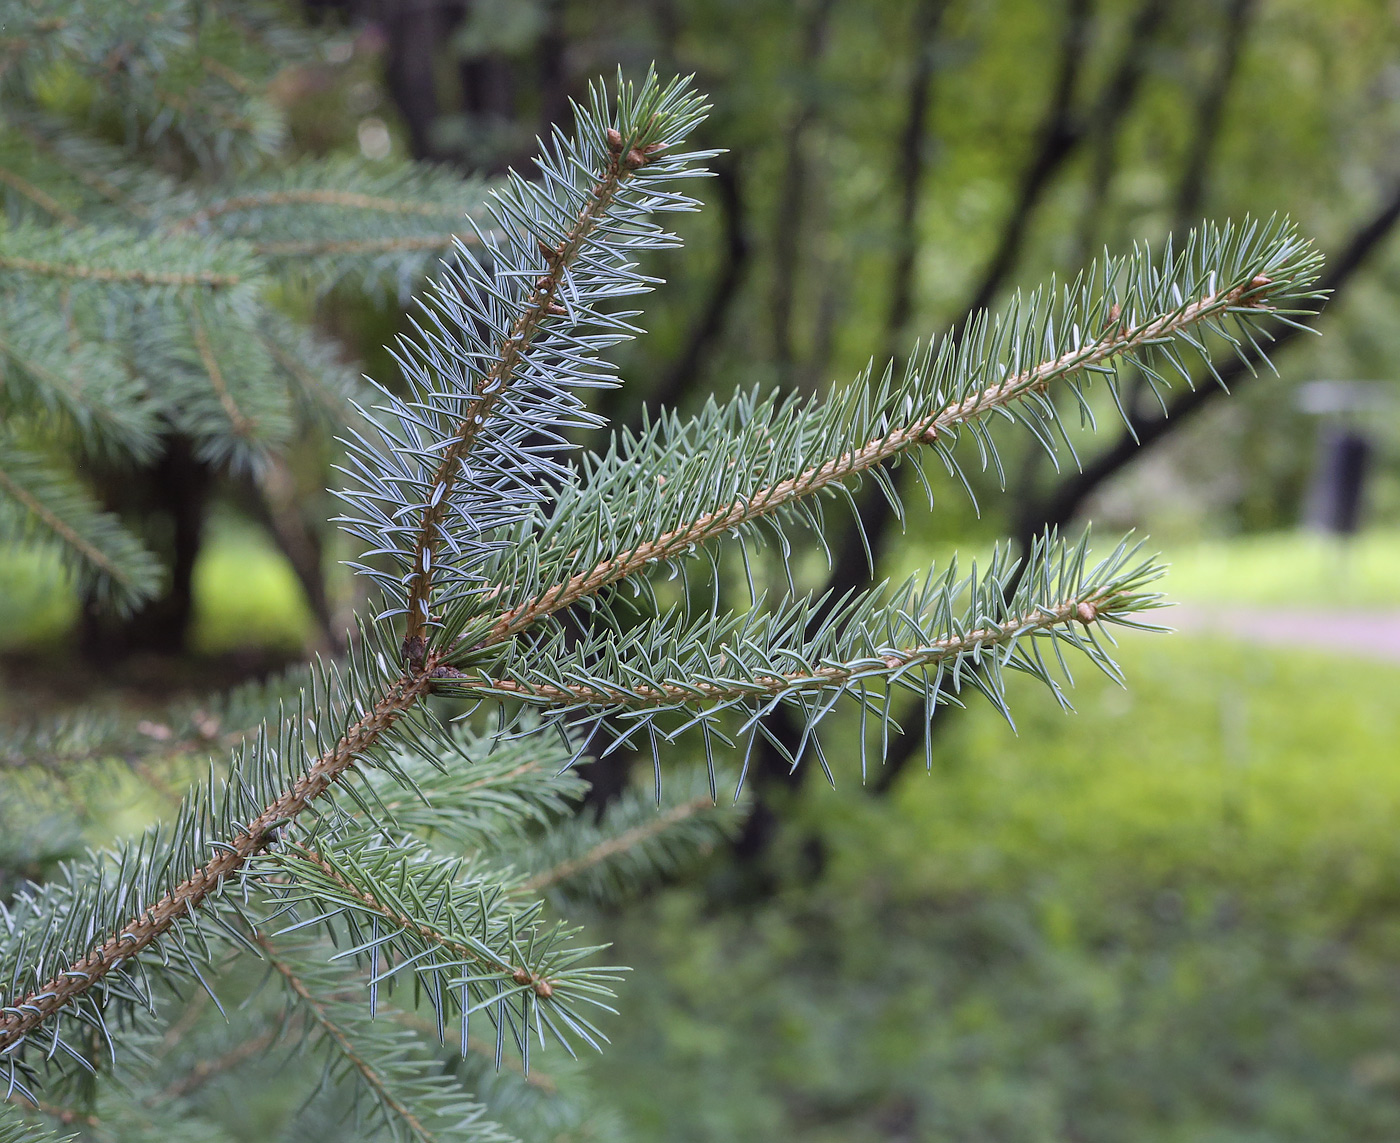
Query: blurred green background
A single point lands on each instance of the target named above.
(1171, 915)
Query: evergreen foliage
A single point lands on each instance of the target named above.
(150, 220)
(391, 868)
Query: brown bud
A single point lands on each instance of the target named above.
(521, 976)
(614, 141)
(556, 309)
(1087, 613)
(1250, 295)
(546, 249)
(543, 282)
(543, 989)
(653, 148)
(413, 650)
(635, 159)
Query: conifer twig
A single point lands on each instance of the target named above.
(825, 677)
(35, 195)
(27, 1013)
(312, 197)
(241, 424)
(24, 1015)
(519, 974)
(1116, 340)
(487, 392)
(61, 528)
(207, 1069)
(320, 248)
(105, 274)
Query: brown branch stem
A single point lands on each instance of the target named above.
(61, 528)
(206, 1069)
(101, 274)
(318, 248)
(64, 1115)
(44, 201)
(310, 197)
(92, 181)
(242, 425)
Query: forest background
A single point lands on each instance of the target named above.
(1171, 915)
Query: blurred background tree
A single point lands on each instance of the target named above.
(1201, 946)
(168, 237)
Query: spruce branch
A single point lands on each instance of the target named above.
(342, 1042)
(637, 840)
(660, 678)
(40, 198)
(87, 273)
(94, 165)
(14, 1129)
(323, 247)
(661, 495)
(111, 256)
(512, 788)
(310, 196)
(479, 534)
(686, 688)
(74, 381)
(629, 152)
(343, 876)
(241, 424)
(210, 1068)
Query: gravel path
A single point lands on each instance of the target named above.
(1370, 634)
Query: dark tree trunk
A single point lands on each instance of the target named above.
(415, 30)
(171, 497)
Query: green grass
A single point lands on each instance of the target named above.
(1218, 760)
(1289, 569)
(246, 595)
(36, 604)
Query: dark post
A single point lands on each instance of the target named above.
(1335, 497)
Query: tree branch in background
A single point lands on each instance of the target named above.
(910, 162)
(850, 565)
(792, 200)
(1210, 114)
(709, 325)
(1060, 134)
(278, 501)
(1145, 430)
(1063, 130)
(414, 32)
